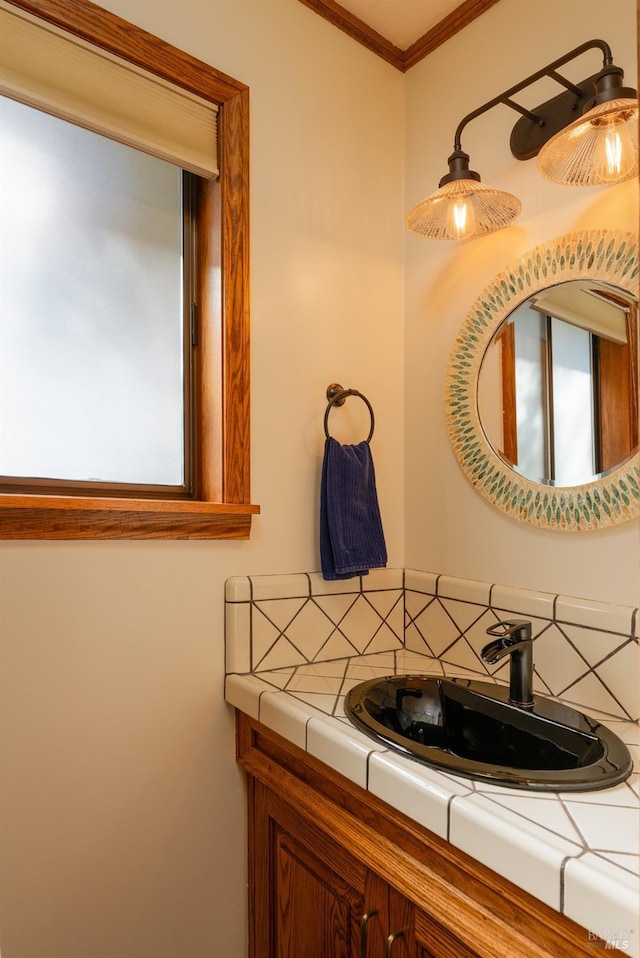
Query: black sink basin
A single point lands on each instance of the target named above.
(469, 728)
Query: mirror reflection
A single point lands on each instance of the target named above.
(557, 389)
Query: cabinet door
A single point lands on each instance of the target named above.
(401, 942)
(391, 933)
(306, 892)
(375, 925)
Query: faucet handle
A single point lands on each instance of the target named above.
(520, 629)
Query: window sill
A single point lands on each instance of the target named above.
(70, 517)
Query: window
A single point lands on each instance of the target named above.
(180, 468)
(94, 341)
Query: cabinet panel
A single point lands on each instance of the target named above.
(306, 892)
(315, 911)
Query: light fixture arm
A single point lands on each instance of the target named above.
(576, 93)
(598, 110)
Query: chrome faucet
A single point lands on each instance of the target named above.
(514, 639)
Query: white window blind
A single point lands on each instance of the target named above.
(61, 74)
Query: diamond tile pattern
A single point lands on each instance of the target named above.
(313, 623)
(585, 664)
(585, 653)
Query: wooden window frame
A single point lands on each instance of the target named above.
(221, 507)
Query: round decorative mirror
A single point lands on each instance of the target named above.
(542, 385)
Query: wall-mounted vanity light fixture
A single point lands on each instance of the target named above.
(600, 147)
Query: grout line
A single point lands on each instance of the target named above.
(450, 802)
(562, 881)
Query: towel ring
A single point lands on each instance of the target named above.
(336, 396)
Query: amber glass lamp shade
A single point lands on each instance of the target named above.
(601, 148)
(462, 209)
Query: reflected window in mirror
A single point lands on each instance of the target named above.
(558, 384)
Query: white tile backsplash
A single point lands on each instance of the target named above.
(238, 624)
(596, 615)
(320, 586)
(238, 589)
(379, 579)
(468, 590)
(522, 601)
(584, 652)
(426, 582)
(279, 586)
(619, 672)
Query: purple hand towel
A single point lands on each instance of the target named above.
(351, 536)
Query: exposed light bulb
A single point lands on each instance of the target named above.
(619, 153)
(599, 149)
(463, 219)
(613, 149)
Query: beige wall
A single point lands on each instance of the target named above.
(123, 820)
(123, 811)
(450, 527)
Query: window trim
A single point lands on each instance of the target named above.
(221, 507)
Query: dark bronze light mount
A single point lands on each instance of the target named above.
(585, 135)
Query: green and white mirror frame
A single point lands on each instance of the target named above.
(608, 256)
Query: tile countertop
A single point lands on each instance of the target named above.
(576, 851)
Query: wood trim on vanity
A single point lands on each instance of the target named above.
(403, 60)
(488, 914)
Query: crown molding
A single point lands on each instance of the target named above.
(461, 17)
(402, 60)
(358, 30)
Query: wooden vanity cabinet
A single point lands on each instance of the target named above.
(307, 892)
(336, 873)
